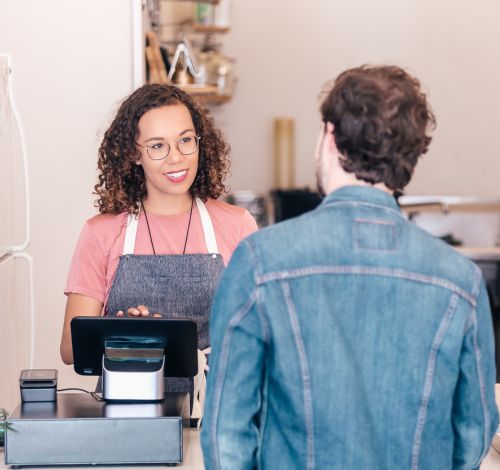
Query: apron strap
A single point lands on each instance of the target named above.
(130, 234)
(208, 228)
(200, 386)
(206, 222)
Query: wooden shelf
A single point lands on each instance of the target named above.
(205, 28)
(205, 94)
(194, 89)
(212, 99)
(212, 2)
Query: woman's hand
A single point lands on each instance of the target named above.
(139, 311)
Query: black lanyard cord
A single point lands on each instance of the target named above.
(187, 231)
(149, 230)
(189, 225)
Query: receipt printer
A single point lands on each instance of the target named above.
(38, 385)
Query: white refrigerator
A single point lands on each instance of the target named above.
(64, 68)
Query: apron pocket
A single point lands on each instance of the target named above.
(181, 296)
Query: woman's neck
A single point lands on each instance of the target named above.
(168, 205)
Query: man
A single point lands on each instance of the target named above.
(349, 338)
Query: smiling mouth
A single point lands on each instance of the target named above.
(176, 176)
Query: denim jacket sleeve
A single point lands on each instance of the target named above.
(475, 416)
(230, 431)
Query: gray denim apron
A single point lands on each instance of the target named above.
(176, 286)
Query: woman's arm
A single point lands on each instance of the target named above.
(76, 305)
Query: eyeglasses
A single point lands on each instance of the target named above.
(186, 145)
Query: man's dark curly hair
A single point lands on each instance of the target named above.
(382, 123)
(122, 184)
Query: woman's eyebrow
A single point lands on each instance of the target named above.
(162, 138)
(154, 138)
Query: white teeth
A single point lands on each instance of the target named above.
(178, 174)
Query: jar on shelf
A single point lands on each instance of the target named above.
(181, 75)
(222, 14)
(204, 13)
(216, 15)
(214, 68)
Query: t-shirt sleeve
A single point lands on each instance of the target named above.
(87, 273)
(248, 226)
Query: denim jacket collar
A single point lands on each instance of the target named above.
(361, 195)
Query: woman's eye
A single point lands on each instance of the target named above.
(186, 140)
(157, 146)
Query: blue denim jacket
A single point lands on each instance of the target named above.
(348, 338)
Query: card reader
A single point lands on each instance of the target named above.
(38, 385)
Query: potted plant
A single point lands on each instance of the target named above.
(4, 425)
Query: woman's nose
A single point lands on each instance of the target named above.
(175, 156)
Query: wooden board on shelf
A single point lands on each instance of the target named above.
(212, 99)
(157, 70)
(194, 89)
(206, 28)
(205, 94)
(213, 2)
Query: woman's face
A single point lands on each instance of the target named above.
(161, 128)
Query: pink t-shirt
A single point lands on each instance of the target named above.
(101, 242)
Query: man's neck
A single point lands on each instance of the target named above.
(343, 178)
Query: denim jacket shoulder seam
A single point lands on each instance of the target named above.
(477, 281)
(258, 269)
(253, 255)
(220, 378)
(476, 287)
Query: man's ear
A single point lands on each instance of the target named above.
(329, 137)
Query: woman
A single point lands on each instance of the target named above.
(162, 165)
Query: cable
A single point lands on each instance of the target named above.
(137, 52)
(24, 154)
(94, 395)
(30, 261)
(17, 251)
(72, 389)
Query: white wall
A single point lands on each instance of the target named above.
(72, 63)
(286, 50)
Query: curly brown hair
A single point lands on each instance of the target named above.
(382, 122)
(122, 184)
